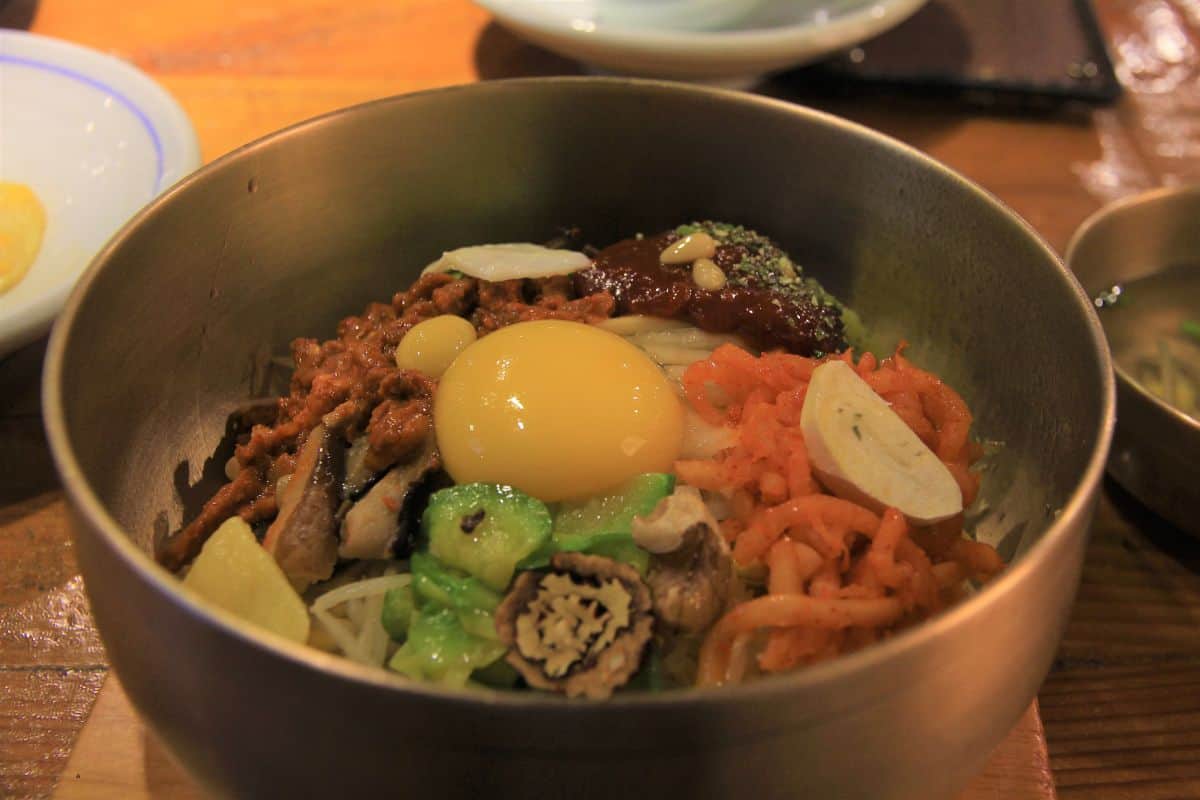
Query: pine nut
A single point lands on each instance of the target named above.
(707, 274)
(689, 248)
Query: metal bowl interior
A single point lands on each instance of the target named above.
(181, 314)
(1153, 454)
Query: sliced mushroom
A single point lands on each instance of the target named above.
(303, 537)
(580, 629)
(663, 529)
(382, 519)
(691, 572)
(358, 475)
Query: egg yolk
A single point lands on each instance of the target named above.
(560, 410)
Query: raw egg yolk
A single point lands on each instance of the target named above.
(560, 410)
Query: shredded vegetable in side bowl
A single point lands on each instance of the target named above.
(651, 466)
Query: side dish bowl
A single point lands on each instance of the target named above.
(95, 139)
(181, 315)
(731, 43)
(1118, 254)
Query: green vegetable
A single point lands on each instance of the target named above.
(474, 603)
(498, 675)
(604, 525)
(612, 513)
(855, 330)
(650, 678)
(485, 529)
(1190, 328)
(622, 549)
(439, 650)
(397, 611)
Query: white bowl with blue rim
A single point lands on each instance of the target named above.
(96, 139)
(730, 42)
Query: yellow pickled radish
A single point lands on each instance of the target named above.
(234, 572)
(22, 225)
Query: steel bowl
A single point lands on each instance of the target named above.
(180, 315)
(1155, 444)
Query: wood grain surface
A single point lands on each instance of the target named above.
(1121, 708)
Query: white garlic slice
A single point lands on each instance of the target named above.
(504, 262)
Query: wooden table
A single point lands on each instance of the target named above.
(1122, 705)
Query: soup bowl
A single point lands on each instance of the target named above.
(1130, 241)
(182, 314)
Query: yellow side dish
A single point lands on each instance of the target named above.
(236, 573)
(22, 225)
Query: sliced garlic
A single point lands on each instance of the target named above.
(636, 324)
(863, 451)
(505, 262)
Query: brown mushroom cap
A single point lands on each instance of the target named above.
(691, 575)
(692, 584)
(580, 628)
(377, 524)
(303, 537)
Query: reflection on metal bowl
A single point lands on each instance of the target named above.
(177, 317)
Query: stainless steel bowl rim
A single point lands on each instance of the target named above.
(1161, 194)
(86, 503)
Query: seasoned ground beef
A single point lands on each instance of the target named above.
(352, 383)
(509, 302)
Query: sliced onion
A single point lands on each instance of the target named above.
(634, 324)
(670, 355)
(687, 337)
(373, 638)
(357, 589)
(704, 440)
(345, 637)
(505, 262)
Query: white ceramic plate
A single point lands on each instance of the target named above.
(96, 139)
(726, 41)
